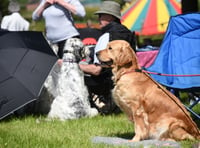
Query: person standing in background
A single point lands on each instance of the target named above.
(59, 23)
(14, 21)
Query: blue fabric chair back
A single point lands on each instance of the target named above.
(179, 53)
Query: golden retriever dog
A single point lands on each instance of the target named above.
(156, 113)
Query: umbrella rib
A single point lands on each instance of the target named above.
(19, 64)
(5, 80)
(20, 61)
(10, 77)
(16, 109)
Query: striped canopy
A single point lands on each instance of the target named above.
(149, 17)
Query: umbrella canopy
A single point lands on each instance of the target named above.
(25, 61)
(149, 17)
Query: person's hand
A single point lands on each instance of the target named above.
(60, 61)
(50, 1)
(59, 1)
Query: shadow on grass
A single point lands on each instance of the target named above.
(127, 136)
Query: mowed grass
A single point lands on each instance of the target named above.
(36, 132)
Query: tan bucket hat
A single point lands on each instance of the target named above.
(110, 7)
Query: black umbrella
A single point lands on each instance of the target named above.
(25, 62)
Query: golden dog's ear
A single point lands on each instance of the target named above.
(125, 55)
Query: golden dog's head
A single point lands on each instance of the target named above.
(117, 53)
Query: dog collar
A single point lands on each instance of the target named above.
(66, 51)
(134, 70)
(69, 61)
(127, 72)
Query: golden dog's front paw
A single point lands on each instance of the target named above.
(135, 139)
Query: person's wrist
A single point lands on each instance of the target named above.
(49, 1)
(46, 4)
(61, 2)
(56, 1)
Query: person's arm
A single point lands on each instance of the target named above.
(75, 7)
(5, 22)
(91, 69)
(37, 14)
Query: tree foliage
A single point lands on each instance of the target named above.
(3, 8)
(121, 2)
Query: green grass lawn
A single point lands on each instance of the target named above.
(36, 132)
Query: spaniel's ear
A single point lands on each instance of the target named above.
(85, 52)
(125, 55)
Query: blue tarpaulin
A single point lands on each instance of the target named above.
(179, 53)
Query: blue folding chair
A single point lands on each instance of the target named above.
(177, 65)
